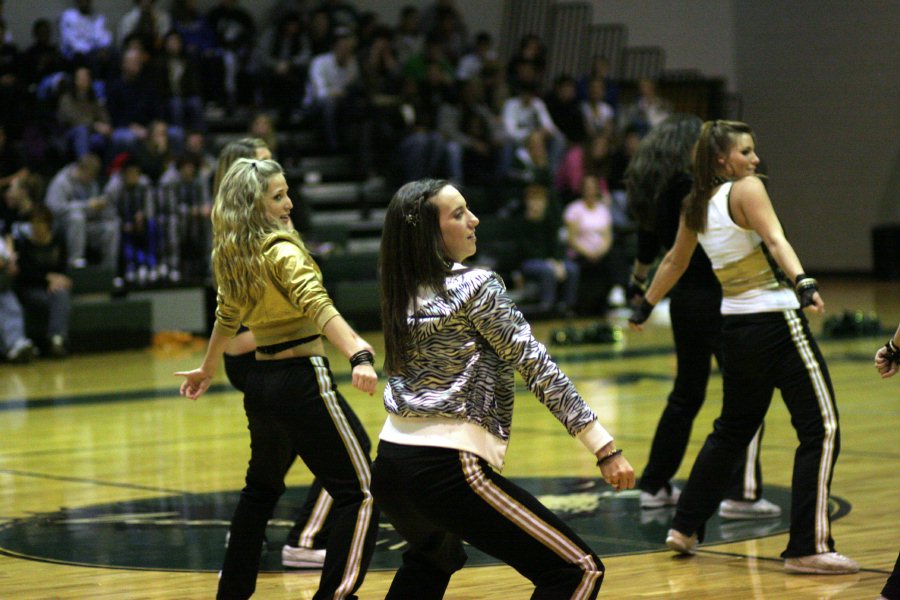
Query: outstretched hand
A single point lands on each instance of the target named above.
(195, 383)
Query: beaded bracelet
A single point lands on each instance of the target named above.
(600, 461)
(363, 357)
(893, 353)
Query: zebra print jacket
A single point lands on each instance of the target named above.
(457, 387)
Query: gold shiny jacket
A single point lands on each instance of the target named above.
(294, 304)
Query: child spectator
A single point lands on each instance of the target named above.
(42, 282)
(543, 255)
(131, 193)
(184, 221)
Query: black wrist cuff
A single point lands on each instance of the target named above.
(893, 353)
(604, 459)
(806, 287)
(363, 357)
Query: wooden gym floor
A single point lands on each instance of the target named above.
(108, 432)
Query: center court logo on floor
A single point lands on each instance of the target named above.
(187, 532)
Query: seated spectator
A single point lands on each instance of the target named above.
(199, 39)
(262, 127)
(195, 148)
(523, 115)
(320, 32)
(155, 152)
(409, 40)
(285, 53)
(42, 282)
(421, 151)
(381, 69)
(341, 14)
(599, 116)
(496, 90)
(179, 83)
(42, 59)
(200, 44)
(18, 199)
(600, 69)
(186, 230)
(589, 236)
(449, 27)
(543, 255)
(647, 111)
(85, 118)
(132, 194)
(471, 64)
(13, 343)
(12, 166)
(591, 157)
(432, 53)
(132, 101)
(145, 21)
(12, 91)
(82, 214)
(531, 163)
(527, 65)
(565, 110)
(85, 39)
(331, 78)
(473, 135)
(235, 33)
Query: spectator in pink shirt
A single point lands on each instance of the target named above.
(589, 234)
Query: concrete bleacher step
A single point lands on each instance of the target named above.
(357, 220)
(328, 168)
(317, 194)
(101, 323)
(299, 142)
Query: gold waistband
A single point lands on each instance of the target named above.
(748, 273)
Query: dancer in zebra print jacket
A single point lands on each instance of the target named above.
(453, 339)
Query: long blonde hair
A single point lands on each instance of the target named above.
(241, 228)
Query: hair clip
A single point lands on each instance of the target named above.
(412, 219)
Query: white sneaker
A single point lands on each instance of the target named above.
(827, 563)
(302, 558)
(666, 496)
(616, 297)
(742, 509)
(22, 351)
(681, 543)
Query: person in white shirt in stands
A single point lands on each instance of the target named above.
(331, 76)
(84, 36)
(523, 115)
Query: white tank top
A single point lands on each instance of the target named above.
(727, 244)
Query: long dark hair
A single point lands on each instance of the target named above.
(716, 140)
(662, 155)
(412, 257)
